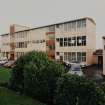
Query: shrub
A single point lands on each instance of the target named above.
(102, 86)
(36, 75)
(75, 90)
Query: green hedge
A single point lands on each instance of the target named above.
(76, 90)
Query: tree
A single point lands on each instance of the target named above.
(36, 75)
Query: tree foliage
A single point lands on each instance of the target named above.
(36, 75)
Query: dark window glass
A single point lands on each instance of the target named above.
(69, 41)
(65, 41)
(73, 41)
(83, 40)
(61, 42)
(57, 39)
(57, 26)
(79, 41)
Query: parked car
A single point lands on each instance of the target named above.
(2, 62)
(9, 64)
(67, 66)
(76, 69)
(82, 64)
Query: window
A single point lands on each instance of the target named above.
(51, 28)
(57, 26)
(79, 41)
(69, 41)
(57, 39)
(73, 41)
(69, 26)
(21, 44)
(79, 24)
(69, 56)
(83, 40)
(73, 26)
(65, 27)
(83, 56)
(84, 23)
(65, 56)
(57, 53)
(65, 41)
(79, 56)
(73, 58)
(61, 42)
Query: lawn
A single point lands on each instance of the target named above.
(8, 97)
(4, 74)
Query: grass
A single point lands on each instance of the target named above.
(4, 74)
(8, 97)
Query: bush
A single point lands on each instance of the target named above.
(75, 90)
(36, 75)
(102, 86)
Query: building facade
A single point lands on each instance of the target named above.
(103, 55)
(67, 41)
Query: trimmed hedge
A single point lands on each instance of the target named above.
(76, 90)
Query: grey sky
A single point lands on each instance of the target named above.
(42, 12)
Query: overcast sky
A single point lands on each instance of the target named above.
(43, 12)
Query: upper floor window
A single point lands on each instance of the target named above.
(65, 41)
(83, 40)
(61, 42)
(81, 23)
(21, 44)
(79, 41)
(51, 28)
(73, 26)
(72, 41)
(69, 41)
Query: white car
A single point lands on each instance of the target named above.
(82, 64)
(3, 62)
(76, 69)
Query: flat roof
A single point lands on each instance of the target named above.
(4, 34)
(56, 24)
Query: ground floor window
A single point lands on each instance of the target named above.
(19, 54)
(75, 56)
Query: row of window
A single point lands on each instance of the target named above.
(75, 56)
(72, 41)
(22, 44)
(21, 34)
(18, 54)
(5, 44)
(25, 43)
(73, 26)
